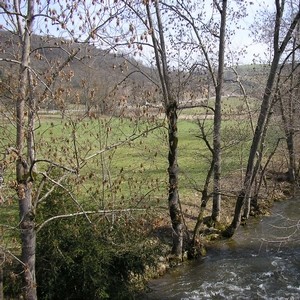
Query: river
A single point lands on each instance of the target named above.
(261, 261)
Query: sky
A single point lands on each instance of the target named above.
(256, 52)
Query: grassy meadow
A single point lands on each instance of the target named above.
(134, 169)
(137, 165)
(121, 163)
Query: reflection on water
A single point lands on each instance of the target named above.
(262, 261)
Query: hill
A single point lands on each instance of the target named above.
(82, 73)
(82, 68)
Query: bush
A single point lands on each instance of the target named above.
(77, 259)
(12, 281)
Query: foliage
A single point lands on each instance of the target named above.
(86, 258)
(12, 283)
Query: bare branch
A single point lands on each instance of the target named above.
(218, 6)
(102, 212)
(5, 250)
(70, 194)
(46, 195)
(245, 97)
(51, 163)
(187, 106)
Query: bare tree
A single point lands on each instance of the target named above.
(255, 155)
(170, 105)
(150, 16)
(217, 117)
(25, 160)
(287, 92)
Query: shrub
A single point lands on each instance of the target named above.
(77, 259)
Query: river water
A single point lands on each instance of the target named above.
(261, 261)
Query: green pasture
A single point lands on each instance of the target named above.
(122, 163)
(231, 105)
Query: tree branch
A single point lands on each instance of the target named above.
(103, 212)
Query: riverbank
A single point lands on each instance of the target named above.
(278, 191)
(260, 262)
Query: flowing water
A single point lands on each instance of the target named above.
(262, 261)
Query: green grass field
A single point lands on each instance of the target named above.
(122, 163)
(230, 106)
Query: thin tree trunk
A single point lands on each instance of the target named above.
(287, 116)
(204, 200)
(292, 161)
(24, 183)
(257, 139)
(217, 118)
(28, 238)
(1, 275)
(192, 251)
(247, 208)
(290, 132)
(174, 207)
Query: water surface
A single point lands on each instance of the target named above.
(262, 261)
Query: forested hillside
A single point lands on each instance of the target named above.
(115, 77)
(110, 77)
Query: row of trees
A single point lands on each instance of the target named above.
(179, 39)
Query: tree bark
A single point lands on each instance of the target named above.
(28, 239)
(24, 184)
(217, 117)
(173, 200)
(1, 275)
(287, 115)
(257, 139)
(204, 200)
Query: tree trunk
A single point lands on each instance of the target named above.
(247, 208)
(287, 116)
(204, 200)
(170, 106)
(217, 118)
(292, 161)
(174, 206)
(28, 239)
(257, 139)
(24, 135)
(1, 275)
